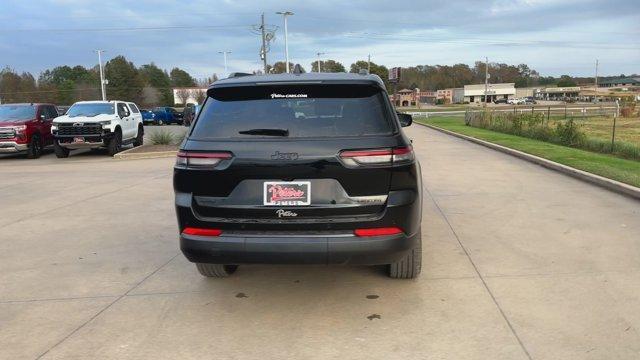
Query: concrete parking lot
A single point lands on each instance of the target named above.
(519, 263)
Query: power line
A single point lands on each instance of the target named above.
(140, 28)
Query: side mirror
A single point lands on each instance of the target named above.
(43, 117)
(405, 119)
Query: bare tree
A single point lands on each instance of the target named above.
(200, 96)
(183, 95)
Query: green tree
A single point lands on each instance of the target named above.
(158, 79)
(279, 67)
(125, 82)
(331, 66)
(376, 69)
(17, 88)
(181, 78)
(566, 81)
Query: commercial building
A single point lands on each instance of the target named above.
(445, 96)
(619, 82)
(476, 93)
(408, 97)
(559, 93)
(458, 95)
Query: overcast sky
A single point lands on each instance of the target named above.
(553, 37)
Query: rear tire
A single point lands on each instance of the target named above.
(35, 147)
(216, 270)
(140, 137)
(115, 145)
(411, 265)
(61, 152)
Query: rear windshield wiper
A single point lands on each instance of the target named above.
(268, 132)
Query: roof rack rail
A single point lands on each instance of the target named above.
(238, 74)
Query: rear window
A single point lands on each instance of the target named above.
(302, 111)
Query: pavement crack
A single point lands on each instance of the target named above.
(475, 268)
(106, 307)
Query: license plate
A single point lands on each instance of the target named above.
(287, 193)
(78, 139)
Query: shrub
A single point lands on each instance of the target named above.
(626, 111)
(565, 132)
(162, 137)
(569, 133)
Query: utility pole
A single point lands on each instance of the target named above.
(486, 79)
(224, 53)
(595, 96)
(286, 44)
(319, 68)
(263, 52)
(103, 82)
(369, 64)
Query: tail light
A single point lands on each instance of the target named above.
(189, 159)
(378, 231)
(201, 231)
(374, 157)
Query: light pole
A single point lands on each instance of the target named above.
(319, 69)
(286, 44)
(102, 80)
(224, 54)
(486, 79)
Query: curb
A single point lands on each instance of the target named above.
(126, 155)
(598, 180)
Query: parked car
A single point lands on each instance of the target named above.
(529, 100)
(148, 117)
(167, 115)
(26, 128)
(62, 109)
(98, 124)
(255, 184)
(500, 101)
(187, 115)
(513, 101)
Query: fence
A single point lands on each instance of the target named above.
(562, 111)
(596, 129)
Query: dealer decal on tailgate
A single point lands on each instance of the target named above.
(291, 193)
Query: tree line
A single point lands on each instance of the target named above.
(149, 85)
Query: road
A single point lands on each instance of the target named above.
(519, 263)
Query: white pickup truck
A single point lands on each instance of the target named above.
(98, 124)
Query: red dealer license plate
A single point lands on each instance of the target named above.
(289, 193)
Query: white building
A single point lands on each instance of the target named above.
(475, 93)
(190, 94)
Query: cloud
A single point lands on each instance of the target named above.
(554, 37)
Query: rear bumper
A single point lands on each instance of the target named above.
(312, 249)
(9, 147)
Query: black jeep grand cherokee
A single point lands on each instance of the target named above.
(302, 169)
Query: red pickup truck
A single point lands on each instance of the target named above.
(26, 128)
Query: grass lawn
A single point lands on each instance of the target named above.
(626, 171)
(627, 129)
